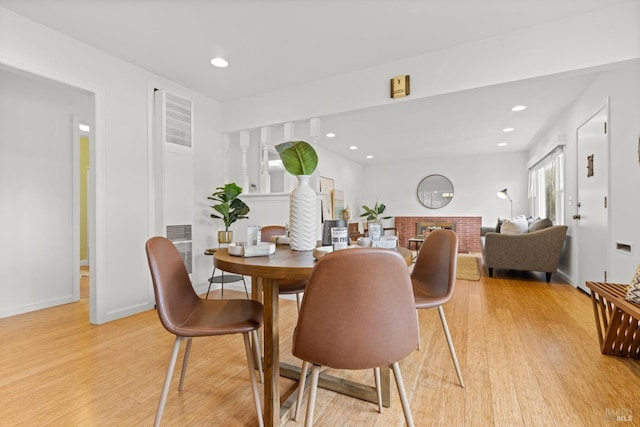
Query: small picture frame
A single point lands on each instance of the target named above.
(338, 203)
(326, 188)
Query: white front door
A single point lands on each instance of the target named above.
(592, 195)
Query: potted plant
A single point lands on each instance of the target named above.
(374, 217)
(374, 214)
(229, 209)
(299, 158)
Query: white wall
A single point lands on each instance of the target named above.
(346, 175)
(622, 87)
(121, 148)
(475, 179)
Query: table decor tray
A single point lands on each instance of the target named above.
(243, 250)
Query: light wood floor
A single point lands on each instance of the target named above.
(528, 351)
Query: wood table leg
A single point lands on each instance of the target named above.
(342, 386)
(271, 354)
(256, 288)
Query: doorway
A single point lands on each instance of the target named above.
(592, 198)
(82, 137)
(40, 200)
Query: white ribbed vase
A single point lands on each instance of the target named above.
(302, 216)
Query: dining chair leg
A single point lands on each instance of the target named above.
(222, 285)
(298, 301)
(256, 348)
(252, 376)
(376, 374)
(452, 350)
(245, 287)
(418, 320)
(167, 380)
(315, 373)
(403, 395)
(185, 361)
(301, 383)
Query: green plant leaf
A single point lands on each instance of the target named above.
(373, 214)
(298, 157)
(230, 208)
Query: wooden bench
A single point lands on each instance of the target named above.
(616, 320)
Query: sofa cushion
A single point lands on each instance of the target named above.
(539, 224)
(517, 225)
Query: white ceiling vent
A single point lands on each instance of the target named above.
(178, 119)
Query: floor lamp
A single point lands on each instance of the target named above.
(504, 194)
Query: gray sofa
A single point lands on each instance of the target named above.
(538, 250)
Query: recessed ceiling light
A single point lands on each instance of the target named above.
(369, 156)
(219, 62)
(519, 108)
(353, 147)
(331, 135)
(502, 144)
(508, 130)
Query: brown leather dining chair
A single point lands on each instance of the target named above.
(434, 278)
(358, 313)
(183, 313)
(286, 287)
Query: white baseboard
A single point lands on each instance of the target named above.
(38, 305)
(566, 278)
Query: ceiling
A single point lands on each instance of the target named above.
(274, 44)
(462, 123)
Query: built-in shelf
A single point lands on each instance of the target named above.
(270, 196)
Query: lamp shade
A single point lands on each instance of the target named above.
(503, 194)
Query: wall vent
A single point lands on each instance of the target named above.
(180, 236)
(178, 120)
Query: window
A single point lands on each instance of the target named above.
(546, 187)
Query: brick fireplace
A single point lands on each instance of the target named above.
(466, 227)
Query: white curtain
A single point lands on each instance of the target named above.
(537, 191)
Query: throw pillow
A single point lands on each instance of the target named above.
(539, 224)
(633, 291)
(499, 225)
(517, 225)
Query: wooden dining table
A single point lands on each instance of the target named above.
(265, 271)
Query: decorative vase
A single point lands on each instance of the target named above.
(225, 237)
(302, 216)
(346, 214)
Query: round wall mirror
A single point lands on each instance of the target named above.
(435, 191)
